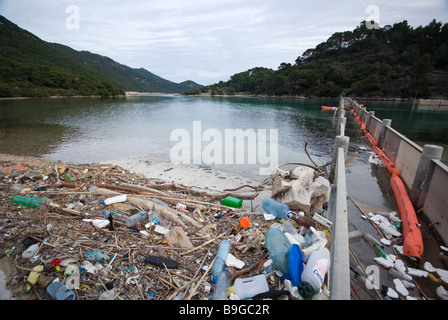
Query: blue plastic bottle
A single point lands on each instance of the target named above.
(279, 209)
(221, 258)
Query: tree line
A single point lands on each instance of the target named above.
(392, 61)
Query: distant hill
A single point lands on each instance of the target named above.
(388, 62)
(30, 66)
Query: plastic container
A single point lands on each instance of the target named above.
(221, 258)
(221, 291)
(34, 276)
(28, 253)
(249, 287)
(120, 198)
(107, 295)
(279, 209)
(58, 291)
(232, 202)
(295, 264)
(136, 218)
(278, 246)
(313, 274)
(96, 255)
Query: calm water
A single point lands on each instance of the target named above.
(81, 130)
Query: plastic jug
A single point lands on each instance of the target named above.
(313, 274)
(278, 246)
(249, 287)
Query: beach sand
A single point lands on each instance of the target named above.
(191, 175)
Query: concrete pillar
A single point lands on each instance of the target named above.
(369, 119)
(339, 142)
(342, 122)
(382, 135)
(429, 153)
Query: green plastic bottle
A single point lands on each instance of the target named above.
(232, 202)
(30, 202)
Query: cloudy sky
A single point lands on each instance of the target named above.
(207, 40)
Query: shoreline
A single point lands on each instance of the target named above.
(191, 175)
(137, 94)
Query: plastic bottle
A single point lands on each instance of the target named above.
(107, 295)
(279, 209)
(222, 285)
(30, 202)
(136, 218)
(232, 202)
(34, 276)
(313, 274)
(96, 255)
(221, 257)
(278, 246)
(282, 211)
(120, 198)
(28, 253)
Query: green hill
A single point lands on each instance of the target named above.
(30, 66)
(392, 61)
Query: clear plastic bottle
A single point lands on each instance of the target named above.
(278, 246)
(313, 274)
(279, 209)
(221, 258)
(282, 211)
(222, 286)
(136, 218)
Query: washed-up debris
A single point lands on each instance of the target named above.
(96, 231)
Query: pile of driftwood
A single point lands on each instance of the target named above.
(73, 223)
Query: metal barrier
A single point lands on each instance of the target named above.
(339, 273)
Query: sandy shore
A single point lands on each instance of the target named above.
(187, 174)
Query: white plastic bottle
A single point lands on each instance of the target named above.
(120, 198)
(28, 253)
(313, 274)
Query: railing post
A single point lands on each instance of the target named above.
(429, 153)
(340, 142)
(383, 130)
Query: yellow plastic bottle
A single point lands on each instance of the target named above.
(34, 276)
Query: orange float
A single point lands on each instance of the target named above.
(412, 237)
(329, 108)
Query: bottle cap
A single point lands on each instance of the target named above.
(244, 222)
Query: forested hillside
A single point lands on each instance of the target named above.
(32, 67)
(392, 61)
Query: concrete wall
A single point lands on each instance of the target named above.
(421, 171)
(339, 273)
